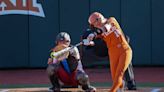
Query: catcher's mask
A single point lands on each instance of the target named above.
(63, 36)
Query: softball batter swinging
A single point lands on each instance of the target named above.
(120, 53)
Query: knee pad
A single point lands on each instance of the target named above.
(83, 79)
(51, 69)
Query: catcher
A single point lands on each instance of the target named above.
(120, 52)
(67, 68)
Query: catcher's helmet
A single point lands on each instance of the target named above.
(63, 36)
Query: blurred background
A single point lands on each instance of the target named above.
(26, 40)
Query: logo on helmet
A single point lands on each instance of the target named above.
(26, 7)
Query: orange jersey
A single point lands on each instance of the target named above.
(120, 53)
(114, 37)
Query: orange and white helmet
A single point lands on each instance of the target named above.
(96, 19)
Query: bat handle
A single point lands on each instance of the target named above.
(78, 44)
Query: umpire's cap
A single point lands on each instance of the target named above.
(63, 36)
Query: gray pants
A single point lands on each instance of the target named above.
(129, 77)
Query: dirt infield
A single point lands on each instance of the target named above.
(78, 90)
(33, 76)
(149, 79)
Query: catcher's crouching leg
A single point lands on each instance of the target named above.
(52, 74)
(83, 80)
